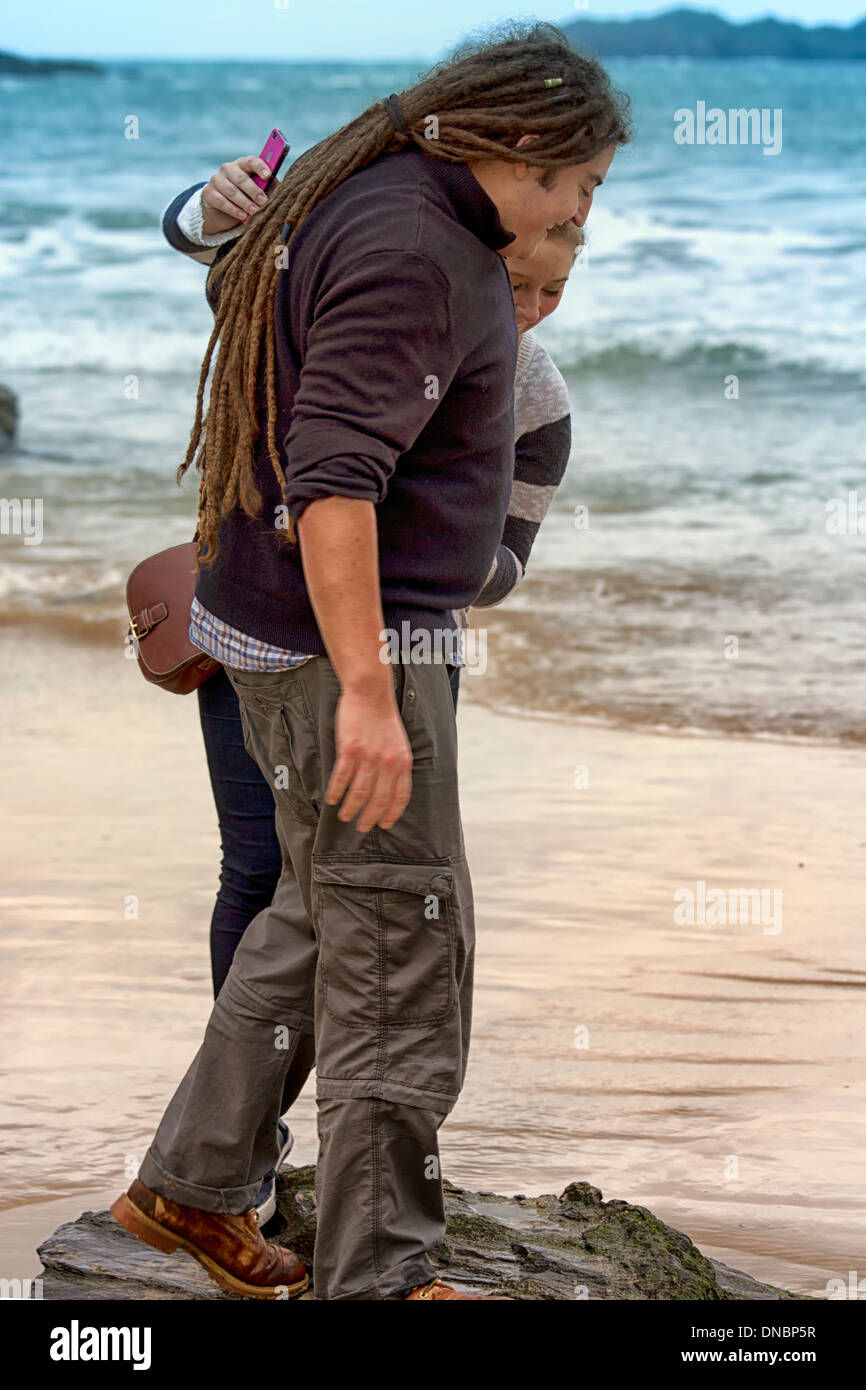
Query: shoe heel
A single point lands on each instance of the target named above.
(129, 1216)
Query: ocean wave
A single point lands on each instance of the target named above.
(79, 599)
(163, 350)
(612, 233)
(97, 629)
(637, 674)
(533, 675)
(575, 356)
(846, 735)
(653, 287)
(655, 292)
(164, 347)
(641, 651)
(628, 358)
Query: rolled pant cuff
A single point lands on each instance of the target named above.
(369, 1088)
(227, 1201)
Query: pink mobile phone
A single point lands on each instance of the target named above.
(275, 151)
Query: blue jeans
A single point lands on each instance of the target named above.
(455, 685)
(251, 858)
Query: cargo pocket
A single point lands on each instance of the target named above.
(386, 941)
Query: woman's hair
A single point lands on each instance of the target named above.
(487, 94)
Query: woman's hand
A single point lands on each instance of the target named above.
(231, 195)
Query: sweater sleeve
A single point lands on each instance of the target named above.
(369, 381)
(540, 461)
(182, 224)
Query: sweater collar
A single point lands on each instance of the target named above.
(471, 205)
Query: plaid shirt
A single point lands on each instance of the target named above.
(237, 649)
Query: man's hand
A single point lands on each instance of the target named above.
(231, 196)
(373, 771)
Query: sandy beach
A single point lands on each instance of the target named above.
(712, 1071)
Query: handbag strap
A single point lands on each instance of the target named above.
(144, 622)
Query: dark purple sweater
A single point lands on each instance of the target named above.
(395, 355)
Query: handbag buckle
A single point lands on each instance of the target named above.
(148, 617)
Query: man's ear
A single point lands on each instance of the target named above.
(521, 170)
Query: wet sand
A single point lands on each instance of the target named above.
(713, 1072)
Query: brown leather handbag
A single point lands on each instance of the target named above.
(159, 595)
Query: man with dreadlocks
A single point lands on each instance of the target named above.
(356, 459)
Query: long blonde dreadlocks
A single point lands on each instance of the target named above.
(517, 80)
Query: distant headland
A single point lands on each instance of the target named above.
(699, 34)
(43, 67)
(679, 33)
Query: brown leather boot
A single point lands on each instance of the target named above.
(436, 1289)
(232, 1249)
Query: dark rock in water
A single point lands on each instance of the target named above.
(43, 67)
(576, 1246)
(8, 417)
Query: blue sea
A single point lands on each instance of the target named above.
(712, 341)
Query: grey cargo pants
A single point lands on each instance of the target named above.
(363, 965)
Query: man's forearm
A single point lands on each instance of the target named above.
(339, 551)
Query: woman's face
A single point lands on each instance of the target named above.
(539, 281)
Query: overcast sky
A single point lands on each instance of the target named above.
(319, 28)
